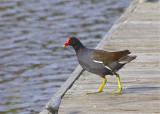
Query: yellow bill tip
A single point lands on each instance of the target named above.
(64, 45)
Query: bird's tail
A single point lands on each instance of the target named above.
(126, 59)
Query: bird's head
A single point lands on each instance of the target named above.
(73, 41)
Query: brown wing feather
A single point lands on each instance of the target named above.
(108, 57)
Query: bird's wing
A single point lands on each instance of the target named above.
(108, 58)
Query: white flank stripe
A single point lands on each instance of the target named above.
(102, 62)
(108, 68)
(97, 61)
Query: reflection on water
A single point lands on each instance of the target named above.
(33, 64)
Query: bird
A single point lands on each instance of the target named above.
(100, 62)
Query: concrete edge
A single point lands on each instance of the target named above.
(53, 104)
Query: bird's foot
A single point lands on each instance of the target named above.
(124, 87)
(93, 92)
(116, 92)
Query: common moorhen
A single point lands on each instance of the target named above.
(100, 62)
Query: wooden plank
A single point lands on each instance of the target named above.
(53, 104)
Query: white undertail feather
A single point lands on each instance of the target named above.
(126, 59)
(123, 62)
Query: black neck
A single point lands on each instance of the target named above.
(78, 46)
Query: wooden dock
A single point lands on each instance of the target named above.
(138, 30)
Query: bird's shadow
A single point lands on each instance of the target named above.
(76, 112)
(140, 89)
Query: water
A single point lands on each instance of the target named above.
(33, 63)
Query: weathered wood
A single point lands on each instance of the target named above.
(138, 30)
(53, 104)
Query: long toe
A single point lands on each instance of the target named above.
(116, 92)
(124, 87)
(93, 92)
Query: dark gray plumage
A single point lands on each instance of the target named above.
(100, 62)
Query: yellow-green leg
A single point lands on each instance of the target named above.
(101, 88)
(119, 85)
